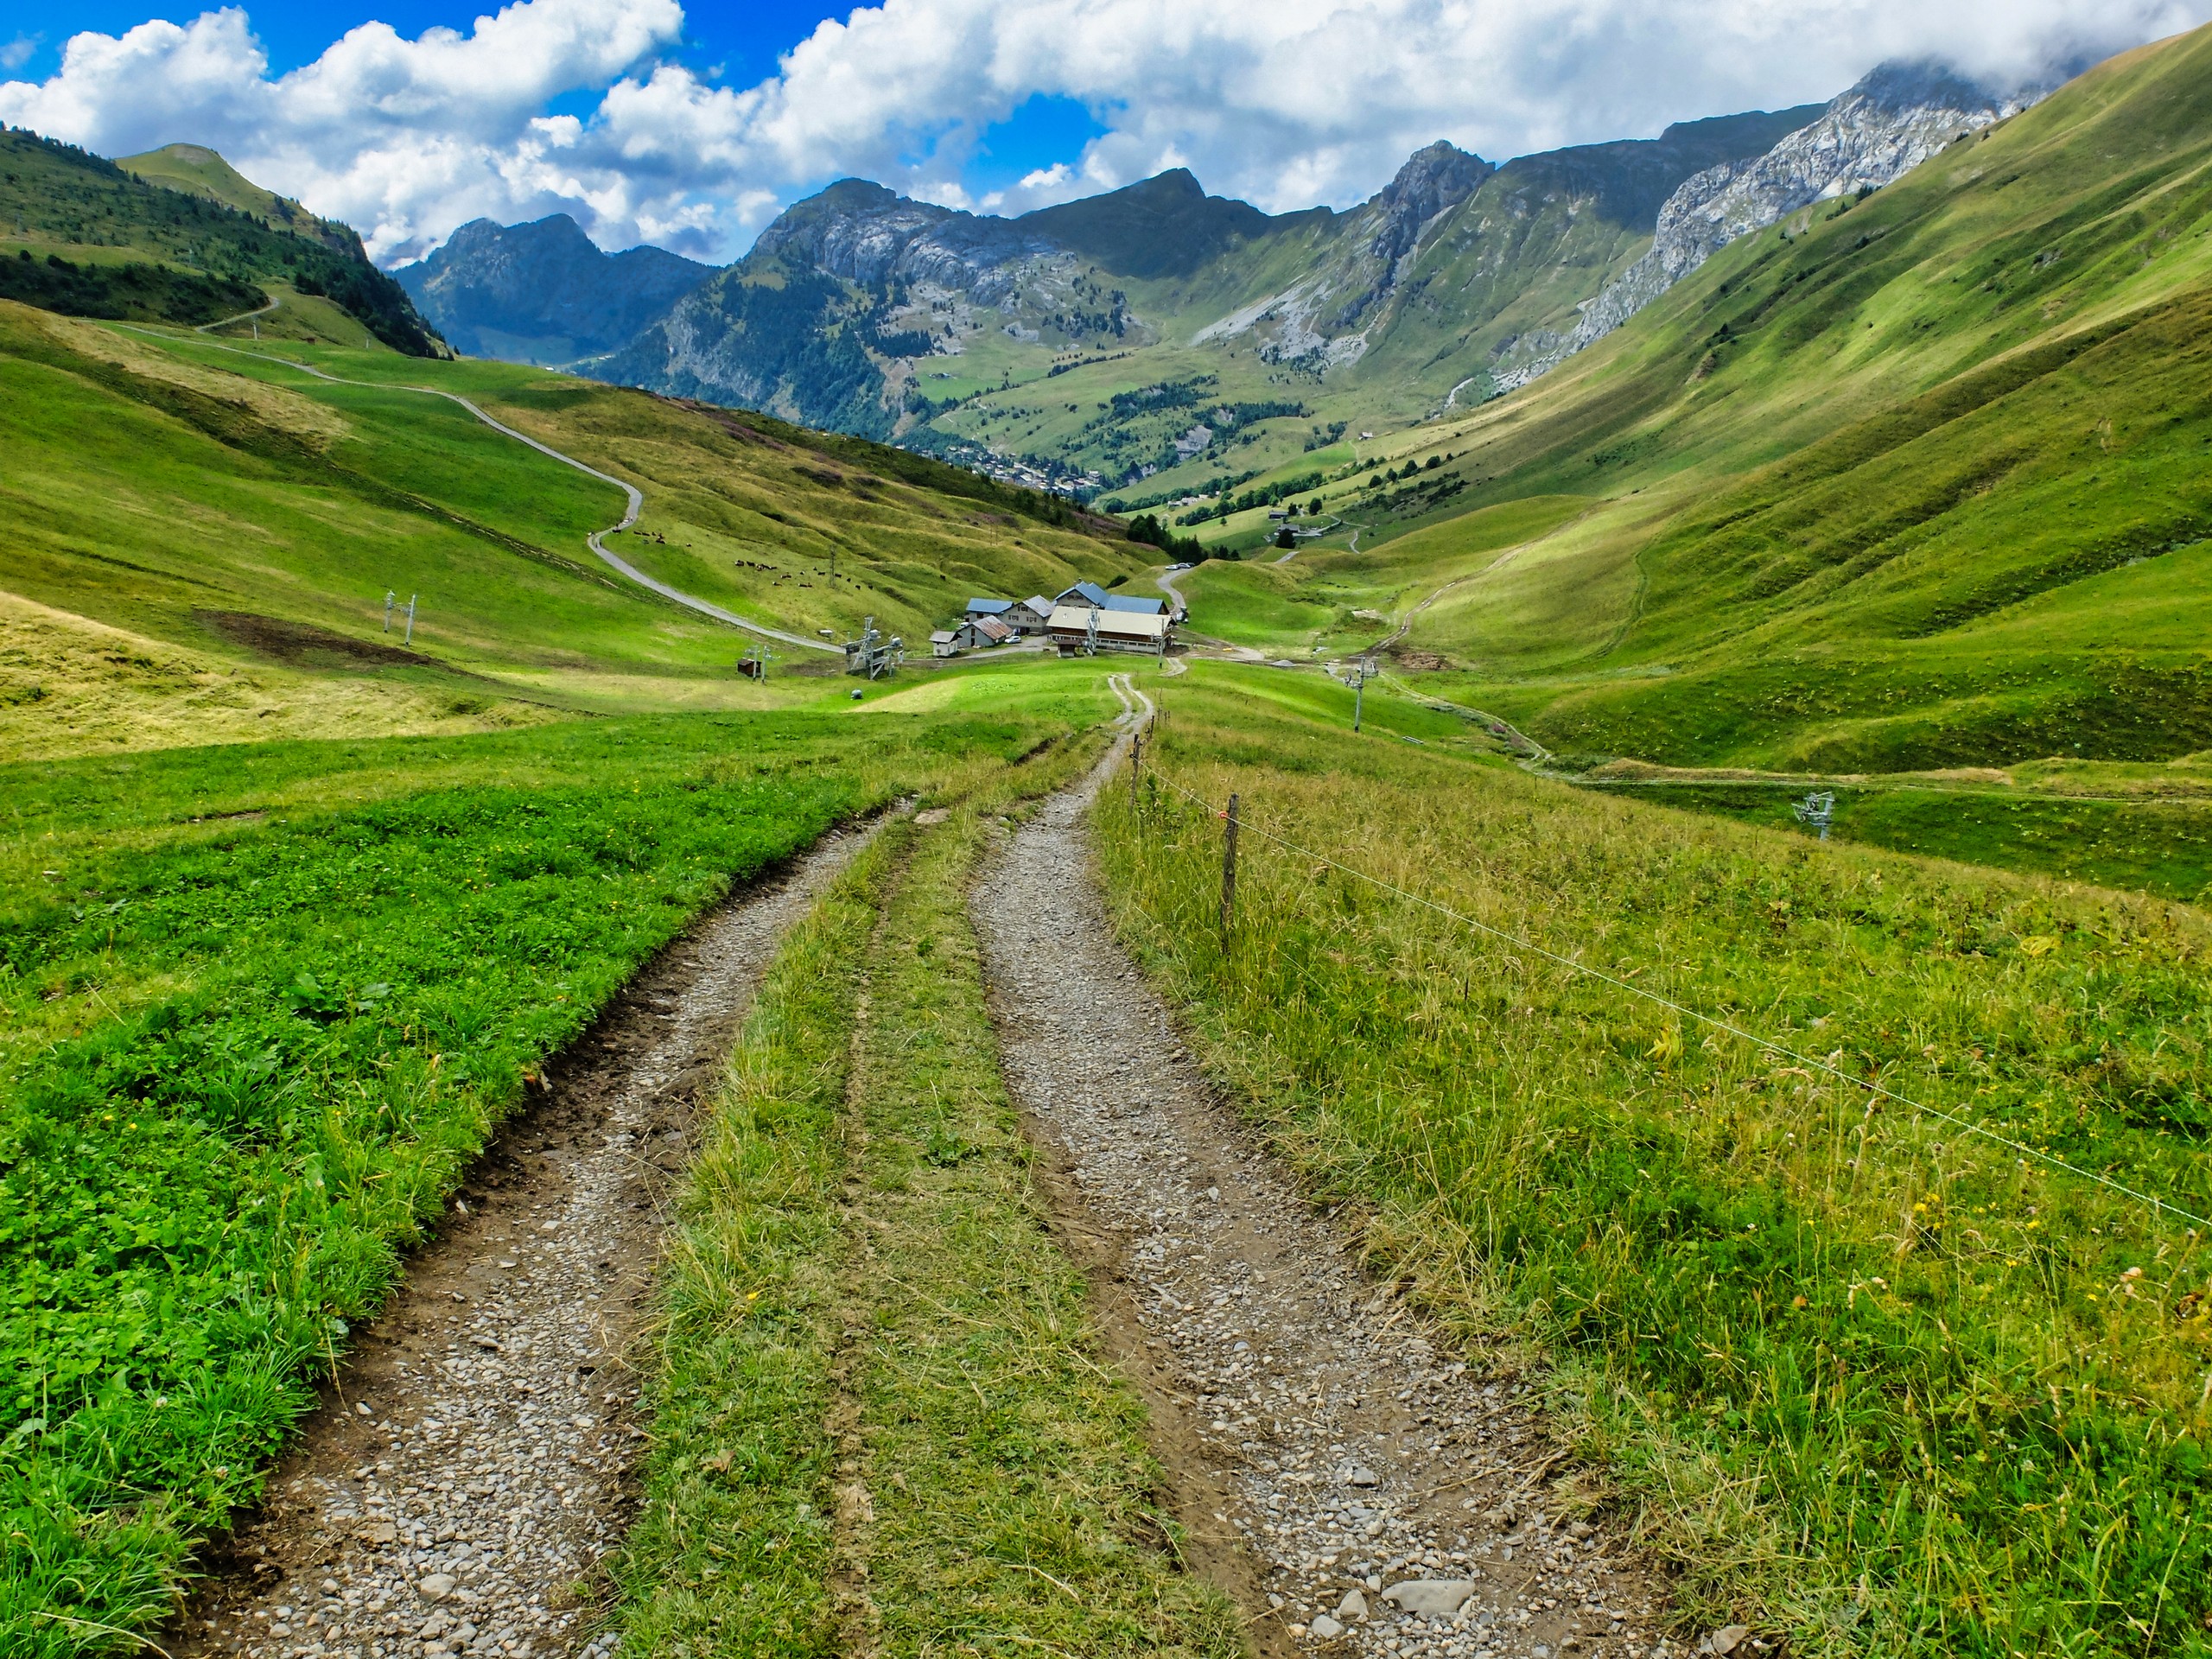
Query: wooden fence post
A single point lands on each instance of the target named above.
(1229, 876)
(1136, 755)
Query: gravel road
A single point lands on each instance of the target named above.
(470, 1467)
(1326, 1448)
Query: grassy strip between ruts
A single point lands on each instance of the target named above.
(879, 1426)
(1870, 1380)
(242, 1063)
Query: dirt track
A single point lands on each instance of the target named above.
(1320, 1440)
(471, 1465)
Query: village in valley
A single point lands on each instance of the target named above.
(1080, 621)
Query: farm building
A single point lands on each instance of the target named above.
(980, 632)
(1089, 594)
(945, 643)
(993, 607)
(1085, 630)
(1030, 615)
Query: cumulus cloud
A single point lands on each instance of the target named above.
(1289, 104)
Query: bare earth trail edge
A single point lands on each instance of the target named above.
(1322, 1443)
(471, 1464)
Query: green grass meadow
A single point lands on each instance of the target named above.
(2163, 847)
(1863, 1377)
(262, 1005)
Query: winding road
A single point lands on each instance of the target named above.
(632, 496)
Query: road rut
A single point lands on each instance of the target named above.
(470, 1466)
(1323, 1443)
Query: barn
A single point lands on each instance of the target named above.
(1086, 630)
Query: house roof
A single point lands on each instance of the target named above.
(989, 607)
(1119, 625)
(991, 628)
(1039, 604)
(1089, 593)
(942, 637)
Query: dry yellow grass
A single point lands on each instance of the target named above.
(316, 423)
(69, 686)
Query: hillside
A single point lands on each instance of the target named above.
(198, 171)
(196, 244)
(202, 539)
(1913, 480)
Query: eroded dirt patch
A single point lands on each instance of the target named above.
(302, 644)
(470, 1464)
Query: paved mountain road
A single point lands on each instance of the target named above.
(633, 495)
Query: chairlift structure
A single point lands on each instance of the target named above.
(872, 656)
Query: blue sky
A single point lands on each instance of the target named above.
(692, 125)
(733, 43)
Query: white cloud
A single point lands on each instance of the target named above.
(17, 52)
(1288, 104)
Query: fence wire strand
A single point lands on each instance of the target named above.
(1713, 1021)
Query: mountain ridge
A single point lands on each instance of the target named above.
(544, 289)
(1201, 337)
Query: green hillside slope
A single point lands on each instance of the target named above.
(81, 235)
(193, 522)
(1917, 481)
(198, 171)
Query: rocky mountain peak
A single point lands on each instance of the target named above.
(543, 291)
(1900, 88)
(1874, 132)
(1434, 177)
(1438, 176)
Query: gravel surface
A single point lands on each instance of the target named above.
(469, 1469)
(1330, 1457)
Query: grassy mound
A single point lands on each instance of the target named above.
(172, 249)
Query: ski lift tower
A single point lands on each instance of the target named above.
(872, 656)
(1816, 811)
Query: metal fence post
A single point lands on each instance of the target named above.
(1229, 876)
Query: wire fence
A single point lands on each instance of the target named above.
(1242, 822)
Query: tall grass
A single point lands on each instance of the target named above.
(731, 1551)
(1891, 1387)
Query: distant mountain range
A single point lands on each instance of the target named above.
(1184, 336)
(543, 292)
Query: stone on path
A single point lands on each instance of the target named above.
(1431, 1598)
